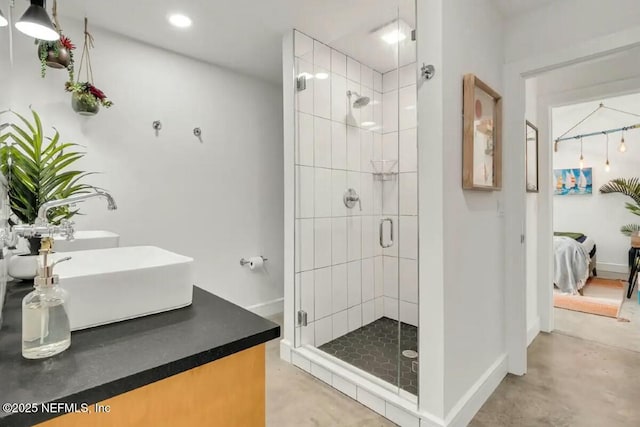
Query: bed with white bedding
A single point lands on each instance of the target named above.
(574, 261)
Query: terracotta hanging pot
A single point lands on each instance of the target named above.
(84, 105)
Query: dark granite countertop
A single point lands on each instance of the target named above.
(113, 359)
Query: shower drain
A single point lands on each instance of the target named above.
(410, 354)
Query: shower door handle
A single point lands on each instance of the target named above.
(382, 221)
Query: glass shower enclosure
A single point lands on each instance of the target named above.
(356, 207)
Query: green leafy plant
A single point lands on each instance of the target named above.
(88, 94)
(37, 170)
(629, 187)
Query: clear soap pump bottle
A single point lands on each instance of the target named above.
(45, 323)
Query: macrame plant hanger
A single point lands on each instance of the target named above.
(54, 12)
(85, 59)
(87, 98)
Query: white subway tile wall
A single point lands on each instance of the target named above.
(339, 285)
(322, 143)
(322, 293)
(344, 278)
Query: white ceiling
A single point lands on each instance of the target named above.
(512, 8)
(245, 35)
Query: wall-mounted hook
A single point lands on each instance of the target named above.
(157, 126)
(198, 133)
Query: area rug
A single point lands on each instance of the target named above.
(603, 297)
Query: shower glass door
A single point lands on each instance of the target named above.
(356, 198)
(407, 198)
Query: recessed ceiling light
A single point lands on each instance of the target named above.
(322, 76)
(179, 20)
(394, 36)
(367, 124)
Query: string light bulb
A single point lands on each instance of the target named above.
(622, 147)
(607, 166)
(581, 156)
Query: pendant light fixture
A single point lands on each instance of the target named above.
(581, 156)
(622, 147)
(607, 166)
(3, 20)
(36, 22)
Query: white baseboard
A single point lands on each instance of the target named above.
(285, 350)
(612, 268)
(269, 308)
(463, 411)
(533, 331)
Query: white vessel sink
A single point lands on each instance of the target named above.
(87, 240)
(111, 285)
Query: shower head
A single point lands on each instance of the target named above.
(361, 101)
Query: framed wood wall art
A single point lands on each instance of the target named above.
(482, 136)
(531, 156)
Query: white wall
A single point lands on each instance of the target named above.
(216, 201)
(599, 216)
(4, 104)
(533, 320)
(5, 64)
(473, 226)
(562, 24)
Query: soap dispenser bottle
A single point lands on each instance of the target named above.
(45, 322)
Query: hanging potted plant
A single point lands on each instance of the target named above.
(56, 54)
(86, 98)
(37, 171)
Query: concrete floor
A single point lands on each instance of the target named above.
(571, 382)
(605, 330)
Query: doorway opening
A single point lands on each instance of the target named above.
(585, 119)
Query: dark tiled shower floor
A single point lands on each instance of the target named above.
(374, 349)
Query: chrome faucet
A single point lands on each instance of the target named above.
(46, 207)
(41, 227)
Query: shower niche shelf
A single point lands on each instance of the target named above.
(384, 170)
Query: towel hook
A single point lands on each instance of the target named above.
(197, 132)
(157, 126)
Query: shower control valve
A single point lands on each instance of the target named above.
(350, 198)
